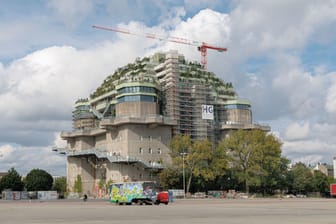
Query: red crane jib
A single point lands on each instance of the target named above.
(201, 46)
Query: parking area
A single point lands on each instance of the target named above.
(259, 211)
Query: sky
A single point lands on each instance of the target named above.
(281, 56)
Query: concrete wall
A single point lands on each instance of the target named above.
(100, 141)
(124, 140)
(149, 144)
(122, 172)
(238, 116)
(117, 141)
(84, 142)
(137, 108)
(73, 169)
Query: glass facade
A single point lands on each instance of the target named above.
(237, 106)
(137, 98)
(137, 89)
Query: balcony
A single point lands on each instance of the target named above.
(235, 125)
(102, 153)
(82, 132)
(150, 119)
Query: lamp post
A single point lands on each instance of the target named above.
(184, 193)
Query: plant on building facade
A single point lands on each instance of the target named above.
(107, 186)
(11, 181)
(101, 184)
(38, 180)
(78, 188)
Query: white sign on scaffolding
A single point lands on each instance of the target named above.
(207, 112)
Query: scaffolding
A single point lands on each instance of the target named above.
(183, 100)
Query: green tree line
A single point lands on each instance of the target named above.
(36, 180)
(250, 161)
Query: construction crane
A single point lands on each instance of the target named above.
(201, 46)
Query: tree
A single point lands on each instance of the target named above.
(60, 185)
(38, 180)
(283, 174)
(271, 164)
(170, 178)
(254, 156)
(198, 158)
(11, 181)
(320, 182)
(300, 181)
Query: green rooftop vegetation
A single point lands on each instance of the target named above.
(131, 69)
(143, 67)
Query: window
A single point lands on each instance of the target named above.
(140, 150)
(137, 89)
(159, 151)
(237, 106)
(150, 151)
(137, 98)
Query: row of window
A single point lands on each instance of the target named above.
(149, 138)
(137, 89)
(137, 98)
(237, 106)
(150, 151)
(83, 107)
(141, 138)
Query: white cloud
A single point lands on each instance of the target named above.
(298, 131)
(268, 25)
(172, 18)
(207, 26)
(50, 80)
(309, 147)
(301, 90)
(330, 104)
(24, 159)
(5, 152)
(59, 142)
(39, 90)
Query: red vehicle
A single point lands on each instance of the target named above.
(333, 190)
(162, 197)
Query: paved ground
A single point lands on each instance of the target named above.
(234, 211)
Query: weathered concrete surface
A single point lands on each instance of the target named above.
(235, 211)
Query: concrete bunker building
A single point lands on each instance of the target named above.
(123, 130)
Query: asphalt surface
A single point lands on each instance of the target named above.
(229, 211)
